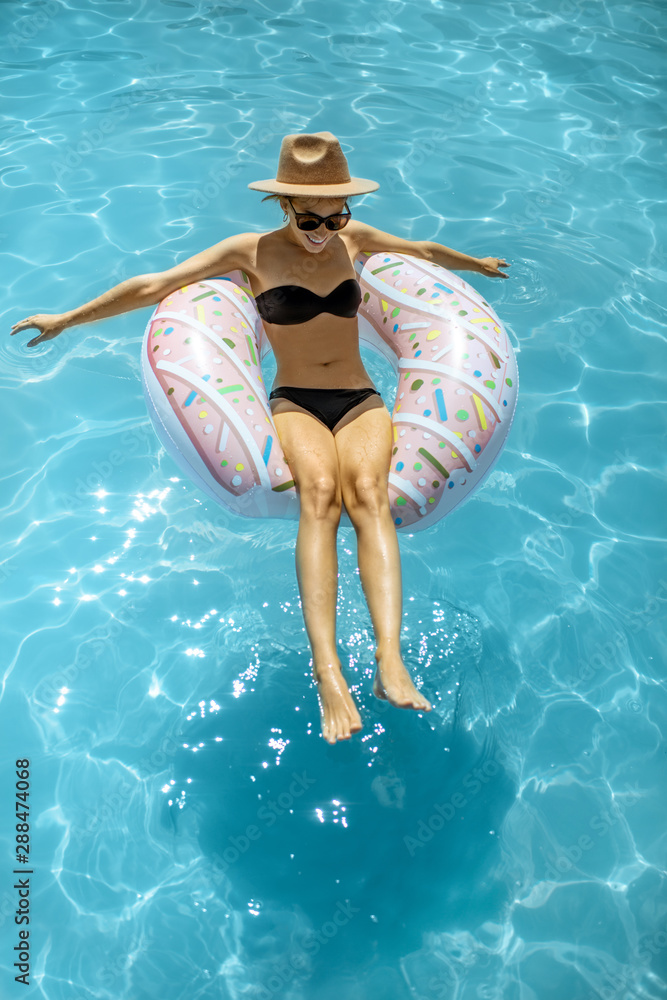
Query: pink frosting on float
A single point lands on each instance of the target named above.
(457, 384)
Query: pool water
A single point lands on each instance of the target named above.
(192, 836)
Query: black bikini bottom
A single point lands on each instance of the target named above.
(328, 405)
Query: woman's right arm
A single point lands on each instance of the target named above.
(144, 289)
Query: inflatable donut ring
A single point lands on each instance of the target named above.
(457, 384)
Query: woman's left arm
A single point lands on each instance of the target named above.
(374, 240)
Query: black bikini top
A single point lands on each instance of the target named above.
(290, 304)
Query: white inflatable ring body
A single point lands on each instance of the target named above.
(457, 384)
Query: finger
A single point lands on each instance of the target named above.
(36, 340)
(22, 324)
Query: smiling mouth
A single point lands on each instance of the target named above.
(316, 243)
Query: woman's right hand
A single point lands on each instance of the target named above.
(48, 326)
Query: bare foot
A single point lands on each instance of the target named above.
(338, 713)
(393, 683)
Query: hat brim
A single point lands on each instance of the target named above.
(356, 185)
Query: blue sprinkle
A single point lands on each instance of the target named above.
(427, 413)
(398, 520)
(191, 397)
(205, 378)
(417, 353)
(440, 401)
(395, 327)
(216, 298)
(477, 374)
(399, 466)
(168, 330)
(386, 259)
(450, 486)
(267, 450)
(435, 295)
(478, 447)
(504, 402)
(444, 287)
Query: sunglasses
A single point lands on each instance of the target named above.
(309, 221)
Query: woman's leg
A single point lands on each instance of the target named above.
(310, 452)
(364, 455)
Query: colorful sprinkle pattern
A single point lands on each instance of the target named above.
(457, 382)
(457, 388)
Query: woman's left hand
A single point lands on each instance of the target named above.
(490, 267)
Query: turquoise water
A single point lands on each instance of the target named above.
(192, 835)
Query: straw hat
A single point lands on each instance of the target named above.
(313, 164)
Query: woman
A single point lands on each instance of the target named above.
(334, 428)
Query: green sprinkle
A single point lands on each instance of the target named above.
(434, 462)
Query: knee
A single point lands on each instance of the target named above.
(321, 498)
(367, 497)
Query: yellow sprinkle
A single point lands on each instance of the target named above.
(233, 329)
(454, 455)
(480, 412)
(404, 289)
(433, 334)
(384, 304)
(240, 467)
(200, 313)
(203, 414)
(244, 324)
(184, 289)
